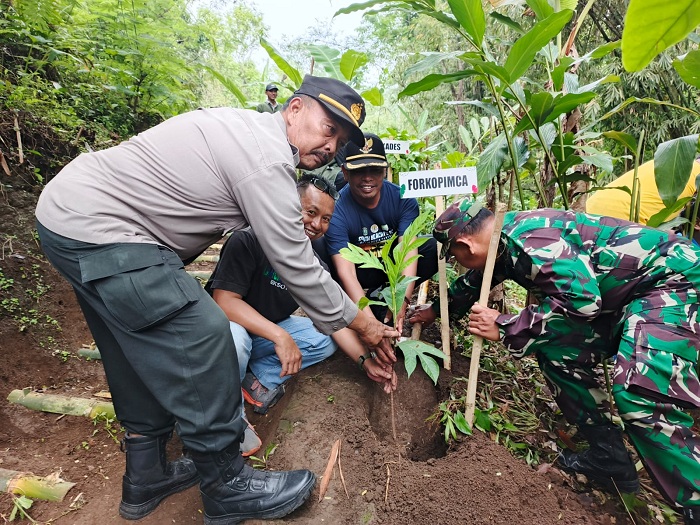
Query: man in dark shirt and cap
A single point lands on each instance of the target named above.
(369, 211)
(270, 105)
(119, 225)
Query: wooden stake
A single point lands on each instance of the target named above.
(422, 298)
(442, 272)
(55, 404)
(51, 488)
(483, 300)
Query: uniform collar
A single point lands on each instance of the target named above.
(283, 126)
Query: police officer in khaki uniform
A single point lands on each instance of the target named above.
(120, 224)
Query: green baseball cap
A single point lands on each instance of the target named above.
(453, 221)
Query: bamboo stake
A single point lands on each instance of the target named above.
(207, 258)
(422, 298)
(55, 404)
(483, 300)
(19, 142)
(444, 314)
(329, 469)
(200, 275)
(91, 353)
(51, 488)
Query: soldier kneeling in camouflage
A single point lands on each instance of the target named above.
(606, 288)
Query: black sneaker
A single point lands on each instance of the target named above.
(260, 397)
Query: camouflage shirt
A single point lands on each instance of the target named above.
(580, 266)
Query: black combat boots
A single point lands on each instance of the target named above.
(606, 462)
(233, 491)
(149, 477)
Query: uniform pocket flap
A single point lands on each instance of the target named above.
(118, 259)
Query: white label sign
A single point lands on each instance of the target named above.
(453, 181)
(396, 147)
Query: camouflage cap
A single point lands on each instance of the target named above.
(452, 222)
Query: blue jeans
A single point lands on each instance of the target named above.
(259, 353)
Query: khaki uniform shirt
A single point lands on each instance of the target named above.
(186, 182)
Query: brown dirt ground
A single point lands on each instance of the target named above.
(413, 480)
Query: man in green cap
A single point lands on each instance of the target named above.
(120, 224)
(605, 288)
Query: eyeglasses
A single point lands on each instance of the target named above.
(320, 184)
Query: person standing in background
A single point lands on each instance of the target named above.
(270, 105)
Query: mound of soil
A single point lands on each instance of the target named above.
(413, 480)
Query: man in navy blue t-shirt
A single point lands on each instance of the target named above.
(369, 211)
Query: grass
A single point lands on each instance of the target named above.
(261, 462)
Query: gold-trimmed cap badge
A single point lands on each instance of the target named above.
(368, 145)
(356, 110)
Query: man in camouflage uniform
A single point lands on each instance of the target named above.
(605, 288)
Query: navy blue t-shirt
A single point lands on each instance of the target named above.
(369, 228)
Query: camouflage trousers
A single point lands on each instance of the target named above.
(654, 345)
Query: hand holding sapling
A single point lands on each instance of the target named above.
(394, 263)
(381, 373)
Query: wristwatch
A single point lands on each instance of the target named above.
(361, 360)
